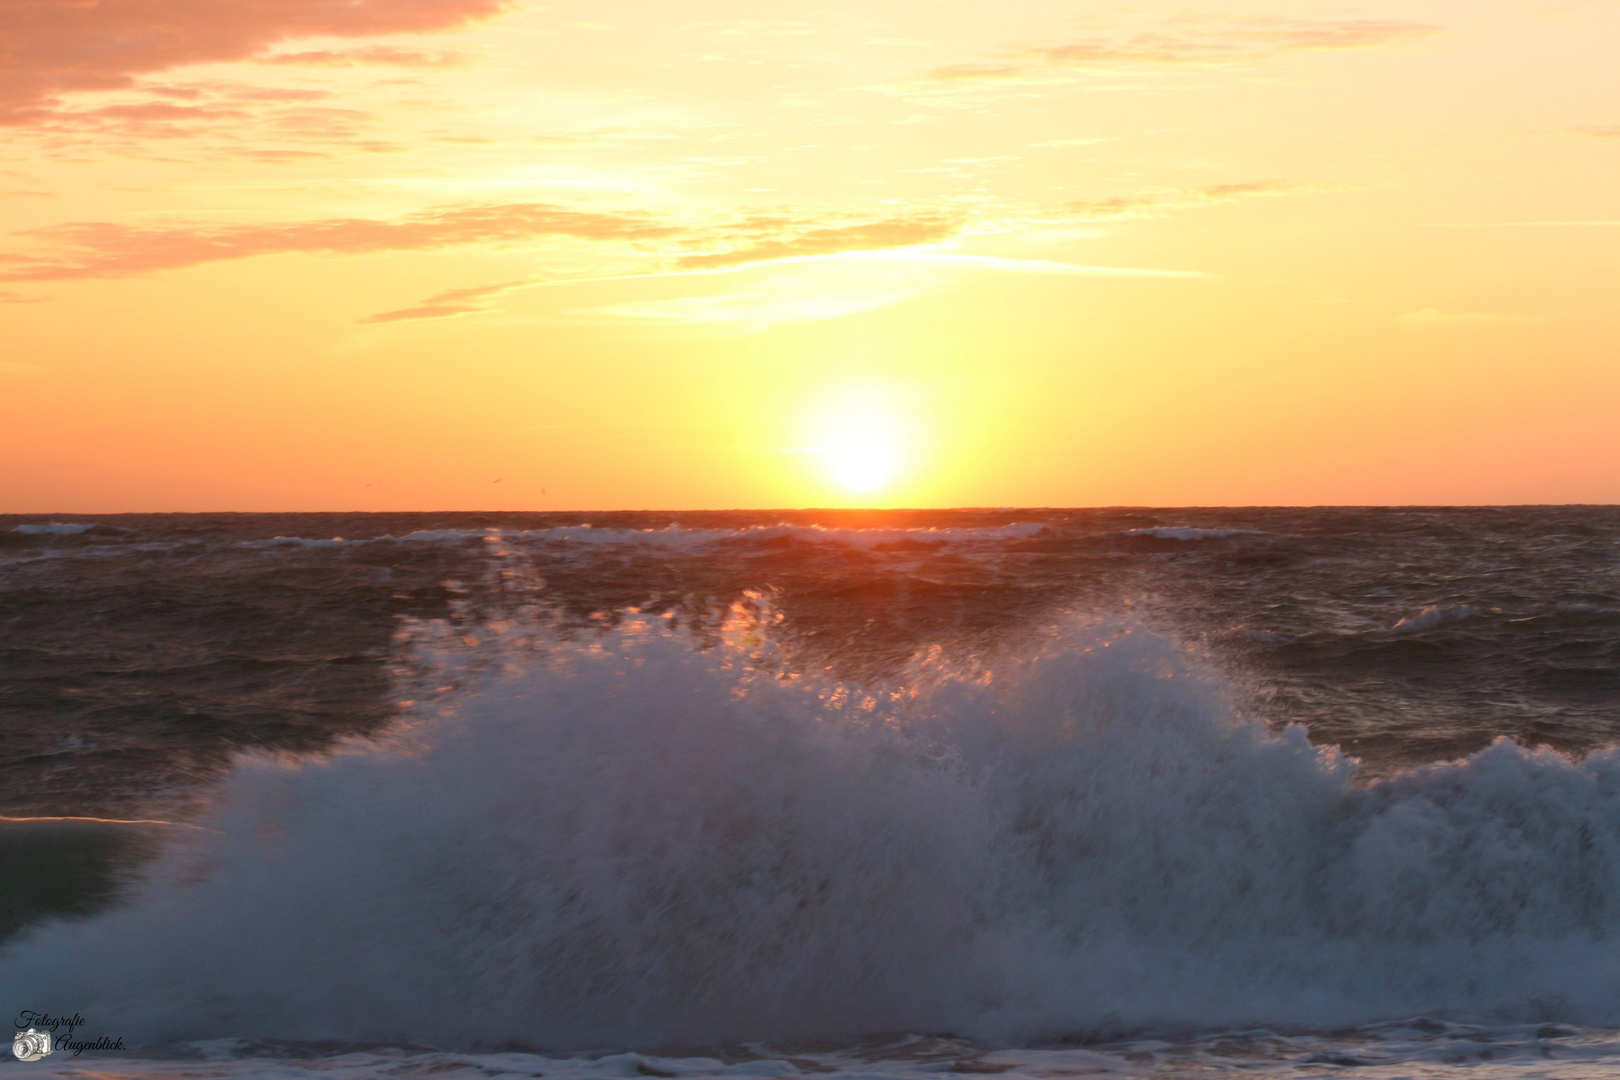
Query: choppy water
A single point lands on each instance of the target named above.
(545, 783)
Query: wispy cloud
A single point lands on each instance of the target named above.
(824, 240)
(665, 246)
(813, 287)
(103, 249)
(1157, 202)
(367, 55)
(450, 303)
(57, 47)
(260, 123)
(800, 292)
(1436, 317)
(797, 288)
(963, 261)
(1594, 223)
(1187, 42)
(151, 119)
(1606, 132)
(108, 249)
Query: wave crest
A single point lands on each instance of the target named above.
(635, 841)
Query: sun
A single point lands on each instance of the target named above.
(862, 461)
(863, 439)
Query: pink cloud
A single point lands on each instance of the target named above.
(156, 115)
(281, 157)
(370, 54)
(101, 249)
(260, 122)
(447, 304)
(97, 249)
(53, 47)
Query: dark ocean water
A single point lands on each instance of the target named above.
(139, 652)
(1062, 745)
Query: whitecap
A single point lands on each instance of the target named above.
(54, 528)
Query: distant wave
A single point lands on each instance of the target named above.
(53, 528)
(632, 841)
(303, 541)
(680, 537)
(1187, 532)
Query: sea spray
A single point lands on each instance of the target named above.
(634, 840)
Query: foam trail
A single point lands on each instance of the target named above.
(637, 843)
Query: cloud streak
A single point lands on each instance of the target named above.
(896, 232)
(1203, 43)
(797, 288)
(102, 249)
(57, 47)
(109, 250)
(1428, 318)
(1158, 202)
(367, 55)
(449, 304)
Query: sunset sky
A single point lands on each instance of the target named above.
(466, 254)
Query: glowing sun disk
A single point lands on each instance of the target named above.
(863, 460)
(862, 441)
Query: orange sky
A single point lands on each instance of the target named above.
(467, 254)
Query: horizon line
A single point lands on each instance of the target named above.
(838, 509)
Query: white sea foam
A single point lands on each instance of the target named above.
(1408, 1051)
(673, 536)
(301, 541)
(1187, 532)
(634, 843)
(53, 528)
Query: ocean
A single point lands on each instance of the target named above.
(762, 794)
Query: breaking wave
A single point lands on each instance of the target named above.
(633, 841)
